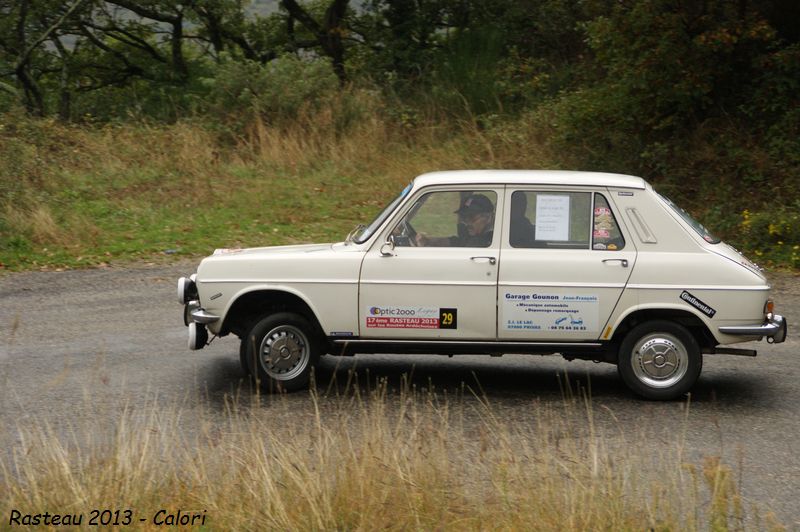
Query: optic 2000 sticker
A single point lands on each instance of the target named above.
(393, 317)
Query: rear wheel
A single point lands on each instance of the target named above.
(280, 351)
(659, 360)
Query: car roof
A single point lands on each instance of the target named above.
(530, 177)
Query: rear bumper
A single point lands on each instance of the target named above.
(774, 329)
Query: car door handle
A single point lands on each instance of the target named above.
(491, 260)
(624, 262)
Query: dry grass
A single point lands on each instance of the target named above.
(371, 461)
(82, 196)
(38, 222)
(133, 191)
(87, 191)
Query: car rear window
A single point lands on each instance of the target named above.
(563, 220)
(694, 224)
(555, 220)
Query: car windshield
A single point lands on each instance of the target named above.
(361, 234)
(697, 226)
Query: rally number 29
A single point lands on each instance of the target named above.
(448, 318)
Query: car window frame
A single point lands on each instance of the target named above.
(411, 200)
(614, 218)
(544, 189)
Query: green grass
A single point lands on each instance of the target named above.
(75, 196)
(82, 219)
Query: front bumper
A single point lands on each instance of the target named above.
(196, 319)
(199, 315)
(194, 316)
(774, 329)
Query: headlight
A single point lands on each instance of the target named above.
(187, 290)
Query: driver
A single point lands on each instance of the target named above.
(476, 217)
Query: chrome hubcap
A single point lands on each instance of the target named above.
(284, 352)
(660, 360)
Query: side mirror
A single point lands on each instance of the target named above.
(387, 249)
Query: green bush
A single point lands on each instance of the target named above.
(772, 235)
(706, 107)
(276, 92)
(465, 72)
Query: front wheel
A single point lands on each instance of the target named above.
(659, 360)
(280, 351)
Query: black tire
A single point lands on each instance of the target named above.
(243, 362)
(280, 351)
(659, 360)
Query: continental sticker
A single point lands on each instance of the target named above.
(550, 312)
(394, 317)
(699, 305)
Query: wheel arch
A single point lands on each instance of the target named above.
(694, 323)
(253, 303)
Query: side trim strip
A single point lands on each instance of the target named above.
(468, 343)
(280, 281)
(697, 287)
(566, 285)
(490, 283)
(433, 283)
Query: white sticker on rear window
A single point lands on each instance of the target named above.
(552, 217)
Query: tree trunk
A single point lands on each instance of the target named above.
(333, 31)
(64, 94)
(328, 34)
(65, 105)
(178, 61)
(34, 101)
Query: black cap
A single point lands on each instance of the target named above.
(476, 204)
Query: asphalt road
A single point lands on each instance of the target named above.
(81, 344)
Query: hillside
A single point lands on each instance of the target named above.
(137, 130)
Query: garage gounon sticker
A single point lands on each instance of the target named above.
(533, 311)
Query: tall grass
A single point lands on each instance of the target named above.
(371, 460)
(88, 195)
(75, 195)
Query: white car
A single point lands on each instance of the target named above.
(587, 265)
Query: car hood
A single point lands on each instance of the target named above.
(277, 264)
(272, 250)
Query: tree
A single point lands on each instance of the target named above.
(225, 26)
(328, 34)
(166, 12)
(27, 28)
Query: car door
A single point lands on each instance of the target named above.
(436, 281)
(564, 264)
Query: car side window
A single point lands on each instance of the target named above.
(605, 230)
(554, 220)
(449, 219)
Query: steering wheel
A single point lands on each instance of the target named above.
(405, 234)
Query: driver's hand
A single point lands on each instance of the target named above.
(421, 239)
